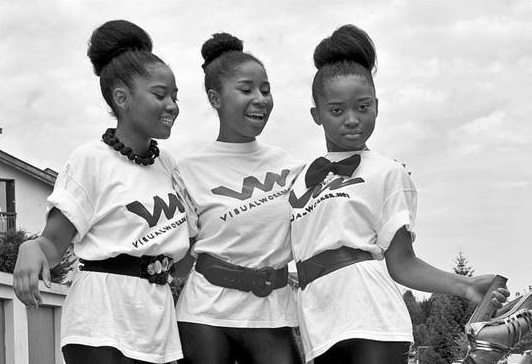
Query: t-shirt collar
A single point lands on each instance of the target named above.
(338, 156)
(249, 147)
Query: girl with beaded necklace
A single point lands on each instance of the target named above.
(353, 215)
(115, 201)
(236, 304)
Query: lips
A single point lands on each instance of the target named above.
(256, 116)
(167, 121)
(353, 134)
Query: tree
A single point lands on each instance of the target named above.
(461, 266)
(414, 308)
(439, 322)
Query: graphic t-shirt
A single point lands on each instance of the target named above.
(361, 211)
(119, 207)
(238, 196)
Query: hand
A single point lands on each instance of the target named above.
(30, 262)
(479, 287)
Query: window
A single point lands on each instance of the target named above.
(7, 205)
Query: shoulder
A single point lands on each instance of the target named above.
(167, 160)
(384, 163)
(90, 152)
(277, 153)
(203, 153)
(390, 170)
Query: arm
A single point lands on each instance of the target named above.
(407, 269)
(38, 255)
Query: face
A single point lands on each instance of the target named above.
(151, 107)
(244, 104)
(347, 109)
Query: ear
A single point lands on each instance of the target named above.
(315, 115)
(215, 98)
(121, 98)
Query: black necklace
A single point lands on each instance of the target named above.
(110, 139)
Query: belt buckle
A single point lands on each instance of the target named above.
(263, 283)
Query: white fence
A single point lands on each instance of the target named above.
(30, 336)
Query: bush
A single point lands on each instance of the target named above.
(9, 245)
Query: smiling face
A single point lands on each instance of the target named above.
(244, 103)
(150, 108)
(346, 108)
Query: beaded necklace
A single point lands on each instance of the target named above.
(110, 139)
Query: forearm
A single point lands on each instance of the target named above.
(56, 237)
(53, 251)
(417, 274)
(407, 269)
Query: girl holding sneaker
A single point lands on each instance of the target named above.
(353, 214)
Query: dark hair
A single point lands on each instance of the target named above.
(222, 53)
(120, 51)
(348, 51)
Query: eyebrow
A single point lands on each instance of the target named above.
(362, 99)
(164, 88)
(251, 82)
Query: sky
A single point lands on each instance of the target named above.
(454, 82)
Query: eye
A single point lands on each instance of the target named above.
(158, 96)
(245, 90)
(364, 107)
(336, 111)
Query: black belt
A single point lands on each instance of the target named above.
(328, 261)
(261, 282)
(156, 269)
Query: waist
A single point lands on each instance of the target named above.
(260, 281)
(328, 261)
(156, 269)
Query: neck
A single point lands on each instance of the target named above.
(138, 144)
(333, 148)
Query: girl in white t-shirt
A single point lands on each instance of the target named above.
(353, 215)
(236, 304)
(115, 201)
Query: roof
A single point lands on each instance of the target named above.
(47, 175)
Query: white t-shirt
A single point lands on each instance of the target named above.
(119, 207)
(238, 195)
(361, 211)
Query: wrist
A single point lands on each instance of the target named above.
(464, 286)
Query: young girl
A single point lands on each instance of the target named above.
(352, 223)
(114, 200)
(236, 303)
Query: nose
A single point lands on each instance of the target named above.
(172, 107)
(351, 120)
(260, 99)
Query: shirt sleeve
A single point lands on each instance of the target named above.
(399, 207)
(72, 197)
(190, 206)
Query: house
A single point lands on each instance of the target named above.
(23, 192)
(27, 336)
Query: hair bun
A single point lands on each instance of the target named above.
(347, 43)
(217, 45)
(113, 38)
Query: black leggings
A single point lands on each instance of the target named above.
(82, 354)
(204, 344)
(360, 351)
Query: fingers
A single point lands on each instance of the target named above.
(46, 276)
(499, 297)
(26, 284)
(30, 263)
